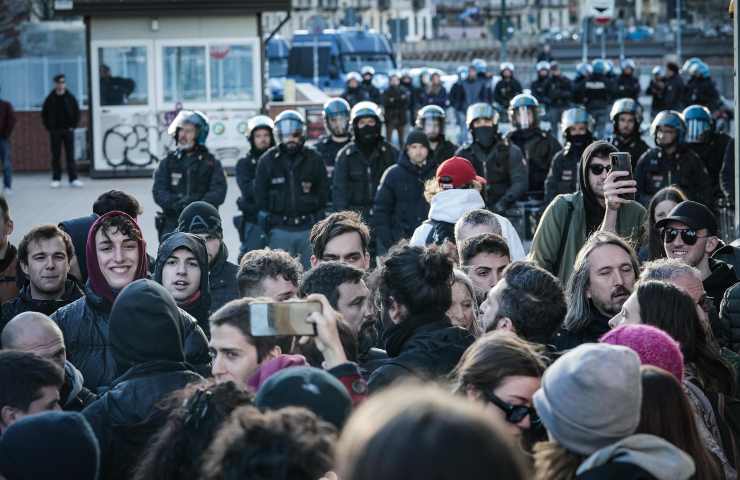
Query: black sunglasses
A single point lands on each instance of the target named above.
(513, 413)
(688, 235)
(598, 169)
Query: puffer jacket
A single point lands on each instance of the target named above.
(729, 312)
(24, 303)
(224, 287)
(84, 324)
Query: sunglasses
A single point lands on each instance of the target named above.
(688, 235)
(598, 169)
(513, 413)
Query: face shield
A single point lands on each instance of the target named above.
(696, 129)
(290, 130)
(523, 117)
(432, 128)
(338, 125)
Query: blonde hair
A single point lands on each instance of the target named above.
(553, 462)
(432, 187)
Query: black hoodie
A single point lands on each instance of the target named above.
(198, 307)
(594, 210)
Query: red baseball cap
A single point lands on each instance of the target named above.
(457, 172)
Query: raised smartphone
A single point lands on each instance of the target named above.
(282, 319)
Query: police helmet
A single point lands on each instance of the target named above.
(507, 66)
(260, 121)
(336, 116)
(480, 110)
(688, 63)
(289, 123)
(519, 102)
(584, 69)
(430, 112)
(658, 71)
(542, 66)
(669, 118)
(628, 63)
(574, 116)
(354, 76)
(699, 69)
(462, 72)
(365, 109)
(600, 67)
(626, 105)
(479, 64)
(698, 122)
(367, 70)
(193, 117)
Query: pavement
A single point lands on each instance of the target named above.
(34, 203)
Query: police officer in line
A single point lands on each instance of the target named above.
(539, 86)
(583, 73)
(336, 121)
(361, 163)
(577, 127)
(700, 89)
(431, 120)
(290, 188)
(353, 91)
(189, 173)
(371, 91)
(537, 146)
(596, 94)
(628, 85)
(709, 144)
(495, 158)
(261, 136)
(626, 117)
(671, 162)
(559, 93)
(508, 87)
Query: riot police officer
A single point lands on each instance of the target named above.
(700, 89)
(656, 89)
(353, 91)
(508, 87)
(189, 173)
(709, 144)
(539, 85)
(290, 188)
(628, 85)
(537, 146)
(495, 158)
(671, 162)
(431, 120)
(559, 92)
(260, 134)
(577, 127)
(371, 91)
(361, 163)
(626, 116)
(336, 121)
(597, 92)
(583, 73)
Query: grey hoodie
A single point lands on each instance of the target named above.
(658, 457)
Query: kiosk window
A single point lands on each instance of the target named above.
(232, 68)
(123, 76)
(185, 74)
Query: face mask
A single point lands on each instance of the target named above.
(484, 136)
(292, 147)
(368, 134)
(580, 141)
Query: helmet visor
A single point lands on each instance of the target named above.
(285, 129)
(523, 117)
(432, 127)
(338, 124)
(695, 130)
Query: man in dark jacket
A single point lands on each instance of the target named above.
(495, 159)
(538, 87)
(671, 162)
(396, 100)
(7, 124)
(596, 94)
(115, 257)
(371, 91)
(146, 345)
(182, 269)
(656, 89)
(700, 89)
(188, 174)
(508, 87)
(559, 92)
(399, 205)
(44, 254)
(61, 115)
(336, 123)
(202, 219)
(673, 96)
(353, 92)
(361, 164)
(627, 85)
(431, 120)
(261, 138)
(290, 188)
(563, 174)
(36, 333)
(626, 116)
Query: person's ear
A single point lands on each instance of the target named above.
(8, 415)
(504, 323)
(314, 261)
(711, 246)
(472, 393)
(24, 267)
(366, 260)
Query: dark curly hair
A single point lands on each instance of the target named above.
(197, 412)
(257, 265)
(287, 444)
(338, 223)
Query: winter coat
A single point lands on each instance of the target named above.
(686, 170)
(559, 91)
(723, 276)
(60, 112)
(246, 170)
(84, 324)
(356, 177)
(126, 418)
(730, 315)
(673, 96)
(712, 152)
(505, 90)
(539, 89)
(186, 177)
(73, 396)
(438, 98)
(8, 274)
(400, 205)
(445, 150)
(24, 303)
(429, 352)
(504, 169)
(396, 101)
(702, 91)
(598, 325)
(371, 91)
(457, 96)
(633, 145)
(328, 149)
(627, 86)
(538, 148)
(222, 279)
(7, 119)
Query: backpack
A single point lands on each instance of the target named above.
(440, 232)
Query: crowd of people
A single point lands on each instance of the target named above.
(440, 346)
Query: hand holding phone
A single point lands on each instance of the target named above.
(620, 181)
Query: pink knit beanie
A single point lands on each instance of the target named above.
(653, 346)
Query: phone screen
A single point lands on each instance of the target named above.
(622, 162)
(282, 319)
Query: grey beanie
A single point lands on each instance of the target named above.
(590, 397)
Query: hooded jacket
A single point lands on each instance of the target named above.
(400, 205)
(649, 456)
(200, 304)
(449, 205)
(222, 276)
(24, 303)
(74, 397)
(85, 323)
(571, 218)
(78, 228)
(146, 341)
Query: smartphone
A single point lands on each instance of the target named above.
(622, 162)
(286, 319)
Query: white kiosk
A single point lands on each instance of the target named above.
(148, 59)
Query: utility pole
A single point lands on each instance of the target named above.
(503, 32)
(679, 48)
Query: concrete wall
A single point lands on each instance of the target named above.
(30, 142)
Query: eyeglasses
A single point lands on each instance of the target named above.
(688, 235)
(598, 169)
(513, 413)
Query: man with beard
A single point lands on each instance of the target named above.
(44, 256)
(431, 120)
(202, 219)
(361, 164)
(336, 122)
(495, 159)
(260, 133)
(577, 127)
(290, 188)
(626, 116)
(604, 274)
(537, 146)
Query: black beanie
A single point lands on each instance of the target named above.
(200, 217)
(145, 326)
(59, 445)
(417, 136)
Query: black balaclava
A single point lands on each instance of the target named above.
(580, 142)
(367, 137)
(594, 210)
(485, 136)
